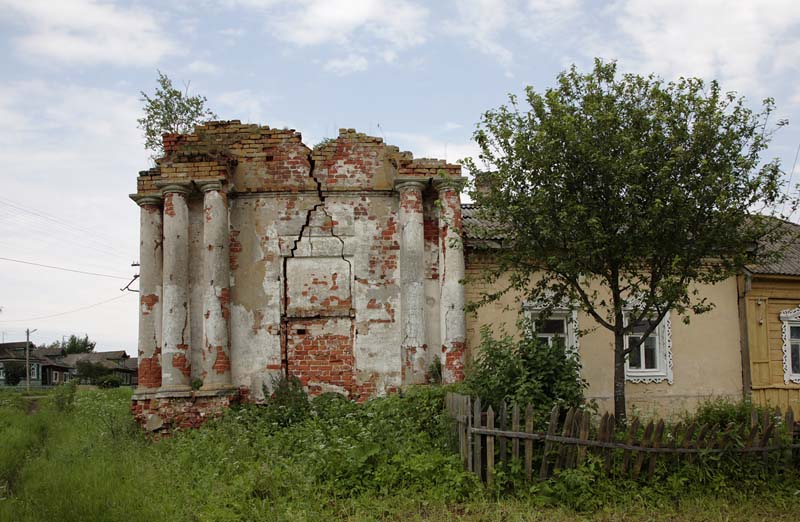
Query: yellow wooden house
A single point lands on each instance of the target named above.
(769, 318)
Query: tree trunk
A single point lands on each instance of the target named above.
(619, 379)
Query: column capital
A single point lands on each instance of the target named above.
(208, 185)
(147, 199)
(448, 184)
(405, 183)
(174, 186)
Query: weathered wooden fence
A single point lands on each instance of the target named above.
(488, 437)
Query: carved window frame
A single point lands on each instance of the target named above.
(569, 314)
(663, 335)
(789, 318)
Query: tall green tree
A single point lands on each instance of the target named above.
(170, 111)
(622, 193)
(15, 372)
(77, 344)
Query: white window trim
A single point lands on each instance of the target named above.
(663, 332)
(789, 318)
(570, 314)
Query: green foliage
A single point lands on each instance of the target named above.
(90, 371)
(15, 372)
(435, 371)
(324, 142)
(170, 111)
(196, 384)
(525, 371)
(383, 460)
(288, 402)
(623, 193)
(64, 396)
(77, 344)
(724, 412)
(109, 381)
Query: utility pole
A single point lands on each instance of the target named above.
(28, 333)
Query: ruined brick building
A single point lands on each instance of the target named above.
(340, 265)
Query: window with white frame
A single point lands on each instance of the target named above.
(560, 326)
(34, 371)
(790, 331)
(651, 360)
(2, 371)
(56, 376)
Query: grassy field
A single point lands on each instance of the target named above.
(86, 461)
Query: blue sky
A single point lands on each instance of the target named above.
(417, 73)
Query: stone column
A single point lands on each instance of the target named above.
(451, 273)
(216, 292)
(150, 252)
(412, 278)
(175, 361)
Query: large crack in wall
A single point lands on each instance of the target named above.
(307, 223)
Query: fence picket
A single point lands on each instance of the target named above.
(584, 435)
(468, 408)
(566, 431)
(551, 430)
(789, 420)
(490, 447)
(503, 440)
(646, 441)
(651, 468)
(566, 445)
(629, 440)
(515, 429)
(529, 442)
(608, 436)
(765, 436)
(476, 441)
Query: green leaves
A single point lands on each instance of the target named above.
(632, 185)
(170, 111)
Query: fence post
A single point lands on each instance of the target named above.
(489, 447)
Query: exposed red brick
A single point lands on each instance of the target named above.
(222, 364)
(149, 301)
(169, 206)
(180, 362)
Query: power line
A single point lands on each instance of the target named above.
(60, 233)
(68, 311)
(52, 218)
(62, 268)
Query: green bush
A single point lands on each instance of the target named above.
(723, 412)
(525, 371)
(109, 381)
(64, 395)
(287, 403)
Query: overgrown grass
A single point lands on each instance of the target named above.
(386, 460)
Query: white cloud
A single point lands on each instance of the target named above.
(379, 27)
(480, 23)
(347, 65)
(86, 153)
(246, 105)
(741, 43)
(202, 67)
(88, 32)
(427, 146)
